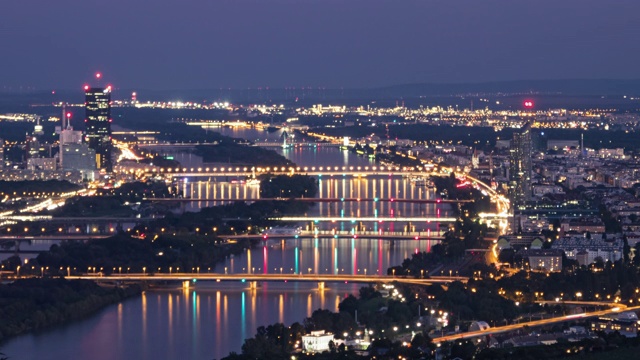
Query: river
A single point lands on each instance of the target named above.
(213, 319)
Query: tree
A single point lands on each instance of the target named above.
(464, 350)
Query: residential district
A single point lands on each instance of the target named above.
(539, 248)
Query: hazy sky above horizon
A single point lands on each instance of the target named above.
(192, 44)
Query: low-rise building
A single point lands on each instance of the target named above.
(586, 224)
(543, 259)
(523, 240)
(316, 341)
(586, 250)
(625, 323)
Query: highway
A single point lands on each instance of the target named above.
(560, 319)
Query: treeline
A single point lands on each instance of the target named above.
(36, 186)
(606, 346)
(111, 202)
(34, 304)
(93, 206)
(600, 281)
(467, 232)
(136, 191)
(233, 218)
(479, 136)
(375, 313)
(122, 253)
(184, 241)
(228, 151)
(294, 186)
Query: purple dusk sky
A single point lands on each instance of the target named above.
(191, 44)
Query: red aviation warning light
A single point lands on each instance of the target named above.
(86, 87)
(528, 104)
(98, 75)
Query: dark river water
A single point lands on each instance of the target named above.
(212, 319)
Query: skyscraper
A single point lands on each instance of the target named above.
(98, 124)
(520, 167)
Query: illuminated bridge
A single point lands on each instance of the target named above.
(322, 234)
(367, 218)
(307, 170)
(414, 201)
(78, 220)
(61, 236)
(253, 279)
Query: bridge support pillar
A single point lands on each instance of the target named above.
(253, 285)
(321, 285)
(185, 284)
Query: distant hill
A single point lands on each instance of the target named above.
(564, 87)
(9, 101)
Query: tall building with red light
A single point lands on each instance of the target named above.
(98, 124)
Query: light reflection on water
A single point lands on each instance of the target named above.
(204, 322)
(212, 319)
(324, 256)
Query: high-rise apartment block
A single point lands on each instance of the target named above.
(520, 167)
(98, 125)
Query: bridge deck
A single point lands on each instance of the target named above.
(416, 201)
(267, 277)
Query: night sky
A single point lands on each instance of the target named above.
(197, 44)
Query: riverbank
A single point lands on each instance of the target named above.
(34, 304)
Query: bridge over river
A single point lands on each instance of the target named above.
(189, 279)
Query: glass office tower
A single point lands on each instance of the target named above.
(98, 125)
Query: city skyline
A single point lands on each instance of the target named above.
(331, 44)
(362, 179)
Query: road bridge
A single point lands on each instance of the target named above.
(428, 219)
(78, 220)
(307, 170)
(544, 322)
(330, 200)
(53, 237)
(252, 277)
(324, 234)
